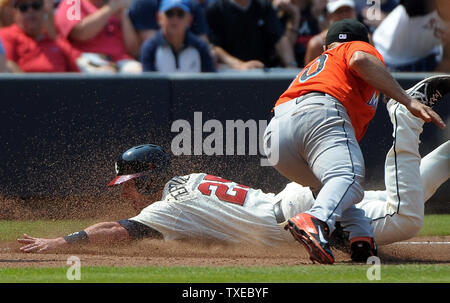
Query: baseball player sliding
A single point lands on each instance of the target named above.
(315, 130)
(205, 207)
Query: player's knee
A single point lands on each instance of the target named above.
(360, 193)
(357, 191)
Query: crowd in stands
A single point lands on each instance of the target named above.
(134, 36)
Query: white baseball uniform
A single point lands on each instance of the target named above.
(201, 206)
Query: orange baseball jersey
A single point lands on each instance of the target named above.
(330, 73)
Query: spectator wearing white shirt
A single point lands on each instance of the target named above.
(415, 37)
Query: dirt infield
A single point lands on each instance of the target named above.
(159, 253)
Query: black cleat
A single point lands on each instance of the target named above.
(362, 248)
(431, 90)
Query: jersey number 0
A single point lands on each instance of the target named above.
(314, 69)
(224, 188)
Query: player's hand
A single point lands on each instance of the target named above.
(425, 112)
(38, 245)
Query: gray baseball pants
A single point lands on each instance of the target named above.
(311, 141)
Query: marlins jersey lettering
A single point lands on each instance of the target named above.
(330, 73)
(202, 206)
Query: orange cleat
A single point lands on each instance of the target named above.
(313, 234)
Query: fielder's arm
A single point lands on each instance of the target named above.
(373, 71)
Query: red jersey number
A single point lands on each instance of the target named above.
(223, 188)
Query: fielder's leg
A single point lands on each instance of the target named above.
(339, 162)
(332, 154)
(330, 160)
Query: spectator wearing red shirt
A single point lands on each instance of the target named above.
(29, 47)
(102, 28)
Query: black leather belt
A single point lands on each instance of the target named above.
(298, 100)
(279, 216)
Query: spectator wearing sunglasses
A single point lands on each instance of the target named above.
(30, 47)
(174, 48)
(102, 28)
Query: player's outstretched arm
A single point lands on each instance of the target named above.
(100, 233)
(373, 71)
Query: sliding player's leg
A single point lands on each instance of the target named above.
(400, 215)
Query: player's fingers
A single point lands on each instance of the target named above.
(33, 248)
(29, 248)
(25, 241)
(424, 115)
(436, 119)
(28, 237)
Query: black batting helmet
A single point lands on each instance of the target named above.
(145, 159)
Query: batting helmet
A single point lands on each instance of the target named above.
(146, 159)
